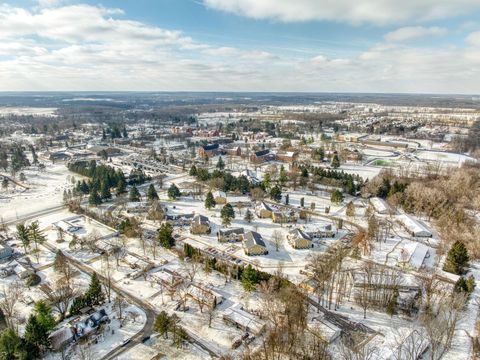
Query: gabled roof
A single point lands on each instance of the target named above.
(264, 206)
(262, 152)
(299, 233)
(200, 220)
(226, 232)
(252, 238)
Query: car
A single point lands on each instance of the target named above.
(126, 341)
(145, 339)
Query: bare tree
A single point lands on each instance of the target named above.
(60, 296)
(277, 238)
(8, 304)
(107, 273)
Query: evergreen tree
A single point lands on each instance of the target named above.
(121, 186)
(209, 201)
(94, 199)
(266, 181)
(134, 194)
(227, 214)
(336, 197)
(152, 193)
(10, 343)
(24, 236)
(249, 278)
(162, 324)
(165, 236)
(457, 259)
(193, 171)
(248, 216)
(287, 199)
(104, 135)
(283, 178)
(275, 193)
(105, 191)
(173, 192)
(392, 305)
(335, 162)
(44, 316)
(124, 132)
(36, 235)
(94, 294)
(220, 163)
(35, 333)
(302, 202)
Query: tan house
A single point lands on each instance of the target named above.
(281, 217)
(253, 244)
(264, 211)
(230, 235)
(220, 197)
(299, 240)
(200, 225)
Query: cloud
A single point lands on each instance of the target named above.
(378, 12)
(414, 32)
(474, 39)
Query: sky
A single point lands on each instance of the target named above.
(380, 46)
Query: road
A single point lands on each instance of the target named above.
(34, 215)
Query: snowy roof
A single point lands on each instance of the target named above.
(252, 238)
(300, 234)
(414, 226)
(244, 319)
(416, 253)
(380, 205)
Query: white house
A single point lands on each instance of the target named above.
(414, 227)
(380, 205)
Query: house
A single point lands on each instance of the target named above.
(238, 317)
(5, 252)
(261, 156)
(299, 240)
(414, 227)
(205, 295)
(220, 197)
(179, 220)
(209, 150)
(413, 255)
(283, 217)
(264, 211)
(66, 226)
(380, 205)
(90, 323)
(328, 331)
(321, 232)
(61, 337)
(287, 156)
(230, 235)
(200, 225)
(233, 151)
(253, 244)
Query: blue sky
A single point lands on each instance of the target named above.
(429, 46)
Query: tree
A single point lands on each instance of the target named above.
(209, 201)
(44, 316)
(457, 259)
(336, 197)
(193, 171)
(121, 186)
(227, 214)
(220, 163)
(105, 191)
(335, 162)
(162, 324)
(302, 202)
(94, 294)
(36, 236)
(287, 199)
(24, 236)
(94, 199)
(282, 178)
(5, 183)
(60, 296)
(35, 333)
(165, 236)
(10, 342)
(249, 278)
(173, 192)
(134, 194)
(266, 181)
(152, 193)
(350, 211)
(248, 216)
(275, 193)
(277, 238)
(11, 295)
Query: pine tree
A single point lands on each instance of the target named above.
(94, 199)
(335, 162)
(287, 199)
(457, 259)
(302, 202)
(35, 333)
(209, 201)
(336, 197)
(121, 186)
(94, 294)
(227, 214)
(24, 236)
(220, 163)
(152, 193)
(275, 193)
(36, 235)
(44, 316)
(134, 194)
(165, 236)
(248, 216)
(193, 171)
(173, 192)
(10, 343)
(105, 191)
(249, 278)
(283, 178)
(162, 324)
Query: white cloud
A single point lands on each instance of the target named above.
(414, 32)
(378, 12)
(474, 39)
